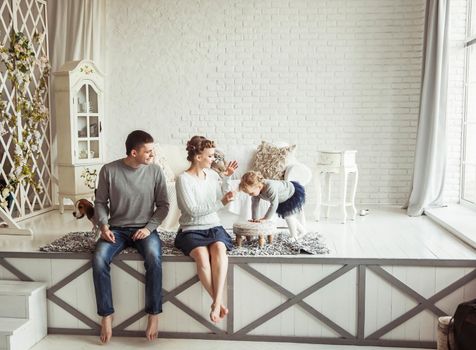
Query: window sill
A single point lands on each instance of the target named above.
(458, 219)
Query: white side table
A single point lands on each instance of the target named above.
(340, 163)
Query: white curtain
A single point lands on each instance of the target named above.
(430, 154)
(77, 31)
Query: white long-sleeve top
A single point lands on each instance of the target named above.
(200, 199)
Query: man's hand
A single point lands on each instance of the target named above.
(107, 234)
(140, 234)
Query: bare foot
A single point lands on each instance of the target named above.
(223, 311)
(215, 313)
(106, 329)
(152, 327)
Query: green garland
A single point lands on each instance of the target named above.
(19, 60)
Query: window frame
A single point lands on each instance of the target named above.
(470, 41)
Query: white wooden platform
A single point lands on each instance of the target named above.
(23, 319)
(385, 281)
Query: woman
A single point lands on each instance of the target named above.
(201, 236)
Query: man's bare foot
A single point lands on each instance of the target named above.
(106, 329)
(152, 327)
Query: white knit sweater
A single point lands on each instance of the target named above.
(200, 199)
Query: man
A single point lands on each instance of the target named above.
(131, 202)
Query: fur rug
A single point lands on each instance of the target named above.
(283, 244)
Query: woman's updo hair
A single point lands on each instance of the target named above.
(250, 179)
(196, 145)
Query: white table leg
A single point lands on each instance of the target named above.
(328, 196)
(317, 210)
(343, 195)
(354, 190)
(61, 204)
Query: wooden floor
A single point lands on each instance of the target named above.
(384, 233)
(60, 342)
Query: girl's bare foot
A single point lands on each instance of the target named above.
(106, 329)
(152, 327)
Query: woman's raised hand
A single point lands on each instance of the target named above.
(230, 168)
(228, 197)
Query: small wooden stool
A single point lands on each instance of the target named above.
(248, 229)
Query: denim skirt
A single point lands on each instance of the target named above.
(186, 241)
(294, 204)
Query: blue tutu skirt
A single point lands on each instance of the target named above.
(189, 240)
(294, 204)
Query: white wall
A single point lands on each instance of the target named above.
(325, 74)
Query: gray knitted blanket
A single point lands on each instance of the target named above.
(283, 244)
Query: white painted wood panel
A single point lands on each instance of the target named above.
(253, 298)
(38, 269)
(15, 306)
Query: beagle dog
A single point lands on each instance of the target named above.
(82, 208)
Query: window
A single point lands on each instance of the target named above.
(468, 188)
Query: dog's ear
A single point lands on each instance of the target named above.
(90, 212)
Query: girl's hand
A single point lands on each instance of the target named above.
(258, 220)
(230, 168)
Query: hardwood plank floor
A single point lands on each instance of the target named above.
(384, 233)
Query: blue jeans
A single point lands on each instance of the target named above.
(150, 250)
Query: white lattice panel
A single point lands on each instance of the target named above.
(28, 17)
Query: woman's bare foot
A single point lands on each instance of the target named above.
(215, 313)
(106, 329)
(152, 330)
(223, 311)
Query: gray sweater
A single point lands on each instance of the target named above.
(129, 197)
(275, 192)
(200, 199)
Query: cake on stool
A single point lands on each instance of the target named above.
(248, 229)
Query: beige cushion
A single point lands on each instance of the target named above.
(161, 160)
(271, 161)
(176, 156)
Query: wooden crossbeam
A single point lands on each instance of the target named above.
(296, 299)
(423, 303)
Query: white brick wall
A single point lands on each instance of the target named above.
(325, 74)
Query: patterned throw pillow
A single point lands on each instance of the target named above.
(271, 160)
(161, 161)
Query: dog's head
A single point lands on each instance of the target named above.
(83, 207)
(219, 164)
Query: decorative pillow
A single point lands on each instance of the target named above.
(271, 160)
(161, 161)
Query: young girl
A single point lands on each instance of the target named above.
(201, 235)
(286, 198)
